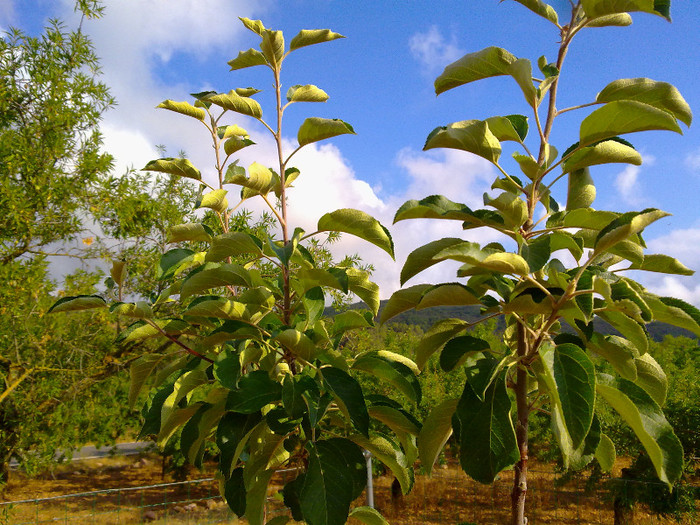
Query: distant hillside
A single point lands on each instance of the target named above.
(426, 318)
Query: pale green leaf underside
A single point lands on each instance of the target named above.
(360, 224)
(647, 420)
(249, 58)
(173, 166)
(596, 8)
(542, 9)
(607, 152)
(661, 95)
(80, 302)
(314, 129)
(622, 117)
(308, 37)
(232, 101)
(184, 108)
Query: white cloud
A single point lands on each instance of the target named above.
(432, 50)
(692, 161)
(629, 187)
(684, 245)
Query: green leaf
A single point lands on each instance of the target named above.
(402, 300)
(256, 496)
(256, 26)
(349, 320)
(486, 434)
(389, 454)
(232, 434)
(314, 129)
(76, 303)
(662, 264)
(473, 136)
(297, 343)
(511, 127)
(620, 20)
(227, 368)
(605, 453)
(213, 275)
(660, 95)
(366, 290)
(606, 152)
(489, 62)
(581, 190)
(437, 251)
(436, 430)
(232, 101)
(189, 232)
(368, 516)
(255, 390)
(624, 116)
(394, 372)
(647, 420)
(448, 294)
(625, 226)
(306, 93)
(674, 312)
(628, 327)
(139, 371)
(513, 208)
(360, 224)
(619, 352)
(272, 46)
(139, 309)
(542, 9)
(180, 167)
(234, 144)
(184, 384)
(233, 244)
(574, 375)
(596, 8)
(652, 378)
(348, 393)
(249, 58)
(436, 337)
(235, 493)
(214, 200)
(336, 470)
(184, 108)
(308, 37)
(170, 261)
(458, 349)
(439, 207)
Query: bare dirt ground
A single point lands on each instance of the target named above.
(447, 497)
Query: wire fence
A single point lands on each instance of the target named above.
(446, 497)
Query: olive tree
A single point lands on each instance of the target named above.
(559, 266)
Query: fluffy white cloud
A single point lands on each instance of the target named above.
(432, 50)
(629, 187)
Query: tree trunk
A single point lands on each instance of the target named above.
(521, 427)
(624, 513)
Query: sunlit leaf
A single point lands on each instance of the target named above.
(661, 95)
(473, 136)
(78, 302)
(436, 430)
(232, 101)
(306, 93)
(173, 166)
(360, 224)
(308, 37)
(184, 108)
(314, 129)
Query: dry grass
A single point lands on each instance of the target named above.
(447, 497)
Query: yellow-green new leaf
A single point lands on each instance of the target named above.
(298, 343)
(473, 136)
(596, 8)
(436, 337)
(360, 224)
(118, 272)
(308, 37)
(233, 244)
(139, 371)
(214, 200)
(605, 453)
(661, 95)
(256, 26)
(663, 264)
(306, 93)
(314, 129)
(625, 116)
(542, 9)
(138, 310)
(625, 226)
(606, 152)
(272, 46)
(184, 108)
(368, 516)
(236, 143)
(260, 180)
(508, 263)
(393, 458)
(581, 190)
(232, 101)
(78, 302)
(172, 166)
(249, 58)
(489, 62)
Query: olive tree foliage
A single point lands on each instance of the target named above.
(560, 264)
(254, 365)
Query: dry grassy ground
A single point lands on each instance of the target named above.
(447, 497)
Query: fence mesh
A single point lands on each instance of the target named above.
(446, 497)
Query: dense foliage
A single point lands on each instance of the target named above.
(556, 264)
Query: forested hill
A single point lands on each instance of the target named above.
(426, 318)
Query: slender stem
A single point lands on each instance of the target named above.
(521, 429)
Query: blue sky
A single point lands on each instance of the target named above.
(380, 79)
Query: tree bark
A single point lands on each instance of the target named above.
(520, 479)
